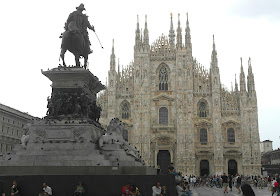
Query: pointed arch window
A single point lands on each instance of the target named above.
(203, 136)
(163, 116)
(202, 109)
(231, 135)
(125, 112)
(163, 79)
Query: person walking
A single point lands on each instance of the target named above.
(278, 182)
(238, 183)
(275, 185)
(230, 182)
(269, 186)
(225, 182)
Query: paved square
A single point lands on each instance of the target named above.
(206, 191)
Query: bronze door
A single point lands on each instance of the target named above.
(232, 167)
(204, 168)
(163, 160)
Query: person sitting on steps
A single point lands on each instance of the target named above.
(46, 190)
(79, 190)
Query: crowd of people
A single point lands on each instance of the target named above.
(183, 187)
(242, 183)
(15, 189)
(45, 191)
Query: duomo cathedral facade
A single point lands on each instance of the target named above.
(177, 111)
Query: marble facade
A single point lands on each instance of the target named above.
(170, 103)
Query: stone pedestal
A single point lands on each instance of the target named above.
(73, 95)
(69, 136)
(59, 144)
(74, 79)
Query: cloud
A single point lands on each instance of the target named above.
(268, 9)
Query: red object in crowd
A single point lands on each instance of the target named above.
(276, 184)
(126, 190)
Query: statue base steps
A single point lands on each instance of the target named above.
(68, 146)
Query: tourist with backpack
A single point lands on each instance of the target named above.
(275, 186)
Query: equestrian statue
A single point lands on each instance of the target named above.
(75, 38)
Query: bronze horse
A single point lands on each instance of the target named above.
(74, 42)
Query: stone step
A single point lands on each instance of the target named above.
(44, 151)
(44, 157)
(126, 163)
(55, 163)
(61, 146)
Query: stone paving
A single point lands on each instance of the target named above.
(206, 191)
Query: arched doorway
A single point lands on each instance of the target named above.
(163, 160)
(232, 167)
(204, 167)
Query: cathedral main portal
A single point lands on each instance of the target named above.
(204, 168)
(232, 167)
(163, 160)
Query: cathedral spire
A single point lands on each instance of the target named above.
(242, 78)
(250, 66)
(188, 43)
(171, 32)
(112, 59)
(214, 69)
(141, 38)
(118, 65)
(214, 59)
(236, 85)
(179, 34)
(146, 35)
(137, 35)
(250, 78)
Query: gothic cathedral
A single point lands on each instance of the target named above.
(177, 111)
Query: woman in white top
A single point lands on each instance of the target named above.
(157, 190)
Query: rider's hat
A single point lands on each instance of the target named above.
(81, 6)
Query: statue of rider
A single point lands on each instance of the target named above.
(77, 21)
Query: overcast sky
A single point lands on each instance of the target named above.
(243, 28)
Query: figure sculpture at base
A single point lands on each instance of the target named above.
(25, 137)
(114, 136)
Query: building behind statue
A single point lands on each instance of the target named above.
(11, 126)
(177, 111)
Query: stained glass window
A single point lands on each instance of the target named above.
(163, 79)
(163, 115)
